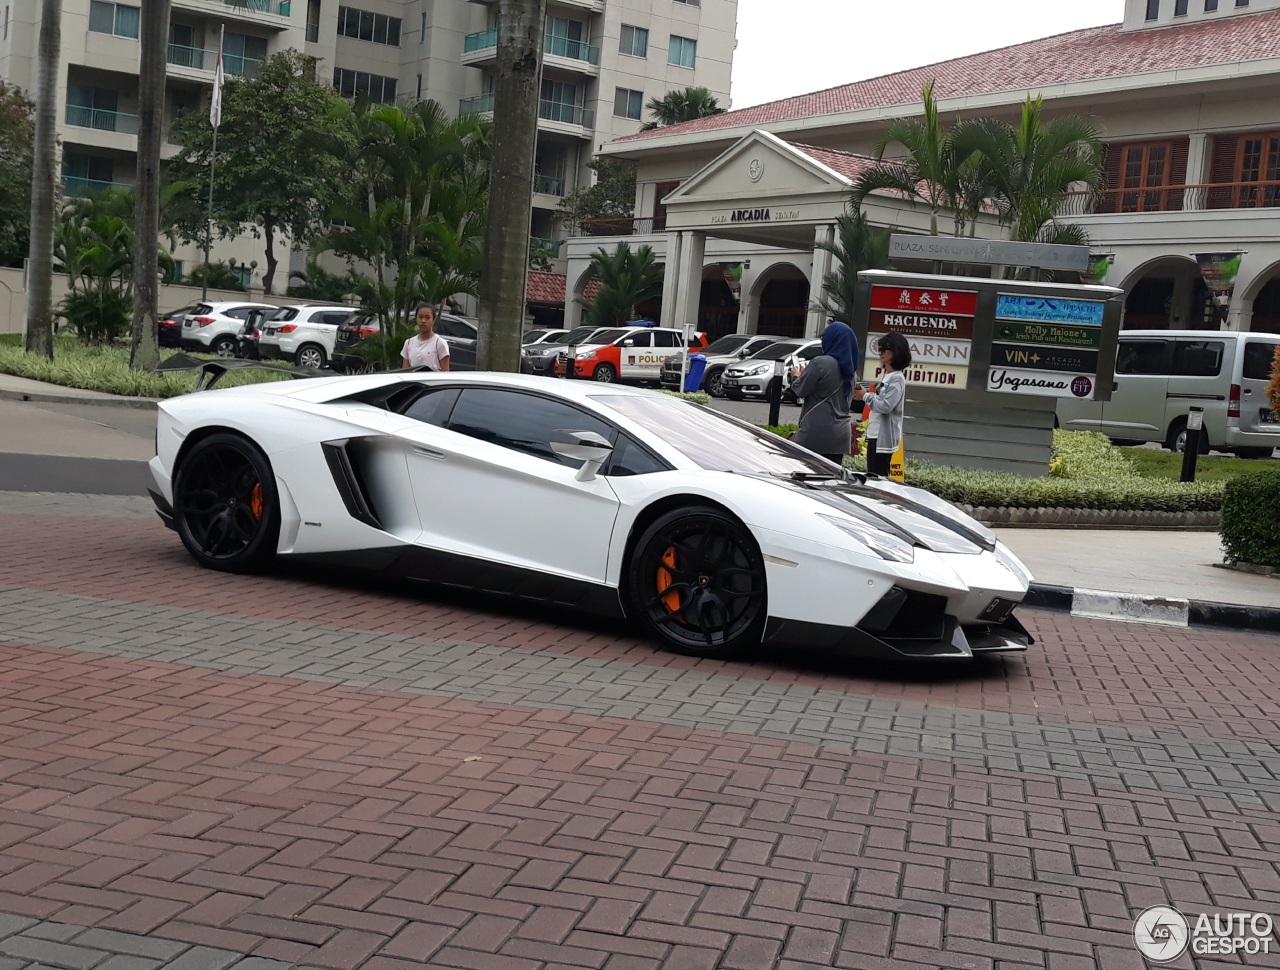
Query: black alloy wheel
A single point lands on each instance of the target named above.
(696, 581)
(226, 506)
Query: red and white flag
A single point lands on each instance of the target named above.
(215, 103)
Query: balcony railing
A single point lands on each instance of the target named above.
(81, 116)
(623, 227)
(480, 104)
(73, 186)
(569, 114)
(279, 7)
(1173, 198)
(548, 184)
(480, 40)
(550, 246)
(203, 60)
(576, 50)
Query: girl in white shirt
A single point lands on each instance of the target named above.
(426, 348)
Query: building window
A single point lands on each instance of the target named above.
(358, 84)
(1245, 159)
(1180, 7)
(243, 54)
(422, 29)
(628, 103)
(559, 102)
(682, 52)
(634, 41)
(1146, 176)
(363, 25)
(6, 23)
(418, 96)
(1242, 3)
(691, 3)
(1210, 6)
(113, 18)
(1153, 9)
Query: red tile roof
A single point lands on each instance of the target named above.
(847, 164)
(1082, 55)
(548, 288)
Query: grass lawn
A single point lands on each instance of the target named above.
(1151, 463)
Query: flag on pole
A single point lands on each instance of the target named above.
(215, 104)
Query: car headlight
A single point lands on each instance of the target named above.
(589, 355)
(757, 369)
(883, 544)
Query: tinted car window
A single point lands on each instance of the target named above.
(664, 338)
(810, 352)
(759, 344)
(636, 340)
(238, 312)
(631, 458)
(432, 407)
(1198, 358)
(285, 313)
(1143, 357)
(727, 345)
(521, 422)
(334, 317)
(778, 351)
(449, 327)
(1258, 359)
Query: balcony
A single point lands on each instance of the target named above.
(479, 105)
(272, 14)
(479, 41)
(549, 246)
(482, 47)
(566, 114)
(573, 50)
(78, 187)
(280, 8)
(548, 184)
(198, 59)
(81, 116)
(1173, 198)
(623, 227)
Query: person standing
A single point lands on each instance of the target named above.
(887, 402)
(825, 388)
(426, 348)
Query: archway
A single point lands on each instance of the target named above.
(1168, 294)
(717, 307)
(1264, 294)
(783, 300)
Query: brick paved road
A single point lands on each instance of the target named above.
(200, 770)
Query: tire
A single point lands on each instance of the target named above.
(311, 355)
(224, 346)
(696, 582)
(1177, 440)
(226, 507)
(713, 382)
(1254, 452)
(605, 374)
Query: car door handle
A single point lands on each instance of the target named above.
(427, 452)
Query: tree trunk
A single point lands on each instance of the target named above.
(145, 348)
(269, 233)
(39, 339)
(504, 271)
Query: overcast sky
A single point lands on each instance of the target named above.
(789, 47)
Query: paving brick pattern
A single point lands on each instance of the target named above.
(325, 776)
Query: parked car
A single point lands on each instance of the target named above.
(304, 333)
(460, 334)
(541, 337)
(247, 339)
(169, 326)
(215, 327)
(752, 377)
(720, 354)
(627, 354)
(799, 360)
(346, 357)
(1160, 374)
(540, 358)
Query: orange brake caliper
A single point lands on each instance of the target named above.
(670, 600)
(255, 501)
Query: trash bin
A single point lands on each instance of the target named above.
(693, 377)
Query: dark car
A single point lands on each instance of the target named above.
(458, 333)
(170, 326)
(247, 338)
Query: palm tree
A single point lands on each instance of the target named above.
(937, 168)
(503, 275)
(144, 351)
(858, 245)
(628, 278)
(43, 182)
(1029, 169)
(677, 106)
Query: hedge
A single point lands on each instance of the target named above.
(1251, 519)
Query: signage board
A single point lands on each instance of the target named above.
(941, 350)
(920, 324)
(907, 299)
(923, 374)
(1069, 360)
(992, 252)
(1052, 334)
(1043, 309)
(1042, 343)
(938, 326)
(1008, 380)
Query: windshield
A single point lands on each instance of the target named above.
(578, 335)
(727, 345)
(534, 335)
(716, 441)
(779, 350)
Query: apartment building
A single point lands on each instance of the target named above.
(1184, 92)
(603, 60)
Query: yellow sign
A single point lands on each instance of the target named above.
(898, 463)
(926, 374)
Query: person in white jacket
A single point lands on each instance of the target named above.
(887, 402)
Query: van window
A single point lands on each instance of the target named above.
(1258, 360)
(1198, 358)
(1143, 357)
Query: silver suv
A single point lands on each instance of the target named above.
(723, 352)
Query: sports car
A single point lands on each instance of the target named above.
(712, 535)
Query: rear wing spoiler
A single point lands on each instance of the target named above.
(211, 371)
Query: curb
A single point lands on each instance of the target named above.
(52, 397)
(1141, 608)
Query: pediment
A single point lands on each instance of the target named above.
(759, 165)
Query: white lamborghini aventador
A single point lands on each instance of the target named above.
(708, 532)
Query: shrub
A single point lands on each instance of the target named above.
(1250, 527)
(98, 315)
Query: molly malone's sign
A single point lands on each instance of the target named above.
(993, 252)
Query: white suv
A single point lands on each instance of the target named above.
(215, 327)
(304, 334)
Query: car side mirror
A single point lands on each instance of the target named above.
(742, 352)
(588, 447)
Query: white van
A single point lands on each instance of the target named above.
(1160, 374)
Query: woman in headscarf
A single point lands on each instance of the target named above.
(825, 388)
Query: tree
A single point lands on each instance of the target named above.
(17, 138)
(1029, 168)
(504, 273)
(627, 279)
(43, 181)
(269, 175)
(611, 196)
(938, 168)
(144, 350)
(677, 106)
(857, 246)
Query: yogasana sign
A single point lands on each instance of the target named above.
(1045, 346)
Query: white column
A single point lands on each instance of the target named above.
(693, 250)
(1198, 158)
(671, 281)
(816, 318)
(748, 312)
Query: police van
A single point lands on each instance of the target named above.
(628, 354)
(1161, 374)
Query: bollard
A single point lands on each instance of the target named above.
(572, 351)
(1191, 450)
(774, 394)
